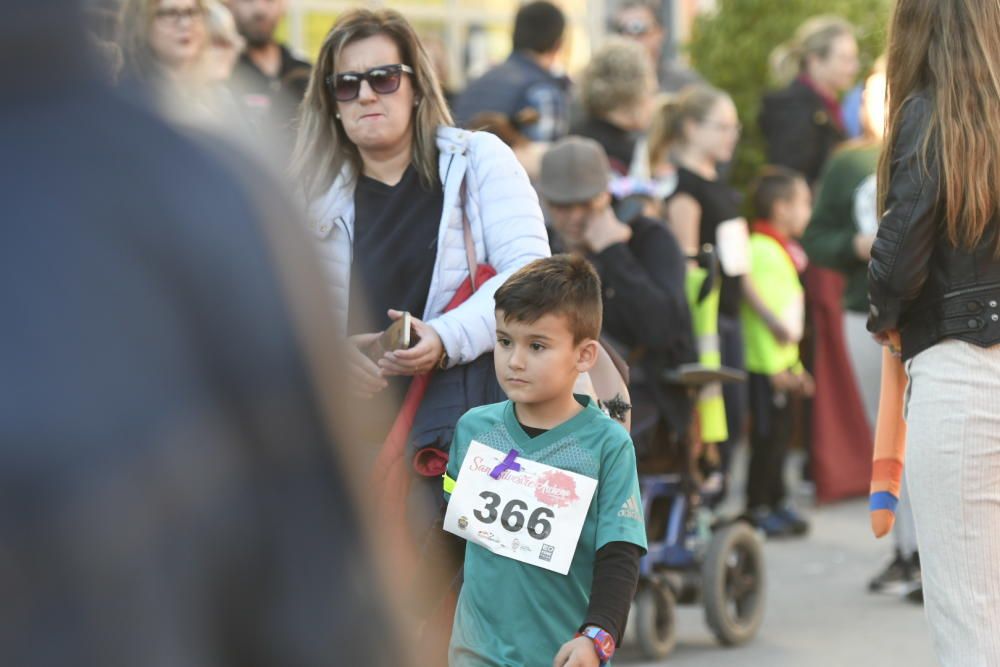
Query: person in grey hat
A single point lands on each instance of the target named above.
(641, 266)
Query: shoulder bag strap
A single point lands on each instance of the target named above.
(470, 244)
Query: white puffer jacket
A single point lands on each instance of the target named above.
(507, 227)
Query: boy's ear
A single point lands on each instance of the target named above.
(586, 355)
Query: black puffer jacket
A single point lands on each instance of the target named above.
(917, 281)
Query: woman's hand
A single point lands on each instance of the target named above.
(889, 339)
(420, 358)
(366, 377)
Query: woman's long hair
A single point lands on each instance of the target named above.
(322, 147)
(692, 103)
(952, 51)
(815, 37)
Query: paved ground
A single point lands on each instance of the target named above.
(818, 612)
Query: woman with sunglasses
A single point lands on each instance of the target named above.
(389, 180)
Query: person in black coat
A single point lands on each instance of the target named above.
(168, 489)
(642, 271)
(802, 123)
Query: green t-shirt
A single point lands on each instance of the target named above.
(511, 614)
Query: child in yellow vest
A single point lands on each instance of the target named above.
(773, 314)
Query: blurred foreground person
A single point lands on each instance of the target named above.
(168, 493)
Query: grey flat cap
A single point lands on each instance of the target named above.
(574, 170)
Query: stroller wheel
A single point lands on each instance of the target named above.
(655, 620)
(733, 583)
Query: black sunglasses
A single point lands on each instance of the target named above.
(383, 80)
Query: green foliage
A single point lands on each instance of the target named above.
(730, 48)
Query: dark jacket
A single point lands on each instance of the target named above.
(917, 281)
(845, 207)
(513, 86)
(798, 129)
(646, 314)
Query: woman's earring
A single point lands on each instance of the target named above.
(337, 116)
(416, 103)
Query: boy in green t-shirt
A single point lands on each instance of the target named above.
(516, 609)
(772, 328)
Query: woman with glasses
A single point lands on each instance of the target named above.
(163, 40)
(183, 51)
(695, 132)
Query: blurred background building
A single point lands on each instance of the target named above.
(474, 34)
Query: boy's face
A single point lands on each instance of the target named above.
(793, 214)
(539, 362)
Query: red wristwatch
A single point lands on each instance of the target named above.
(604, 643)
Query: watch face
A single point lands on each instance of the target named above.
(606, 643)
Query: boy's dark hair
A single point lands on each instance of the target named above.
(538, 27)
(558, 285)
(773, 184)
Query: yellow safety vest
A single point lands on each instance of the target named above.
(711, 408)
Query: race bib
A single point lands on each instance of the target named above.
(532, 512)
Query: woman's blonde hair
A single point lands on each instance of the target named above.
(815, 37)
(951, 51)
(692, 103)
(322, 147)
(618, 76)
(135, 20)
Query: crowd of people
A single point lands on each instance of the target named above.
(490, 258)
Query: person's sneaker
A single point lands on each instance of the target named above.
(797, 524)
(770, 523)
(896, 578)
(915, 593)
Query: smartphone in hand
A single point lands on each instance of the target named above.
(399, 336)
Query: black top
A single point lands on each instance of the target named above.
(646, 275)
(719, 203)
(395, 245)
(532, 431)
(619, 144)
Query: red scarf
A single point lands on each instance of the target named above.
(831, 103)
(792, 248)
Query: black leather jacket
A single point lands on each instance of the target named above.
(917, 281)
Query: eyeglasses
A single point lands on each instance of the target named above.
(725, 127)
(633, 28)
(383, 80)
(174, 16)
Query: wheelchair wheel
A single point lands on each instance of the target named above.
(655, 620)
(733, 584)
